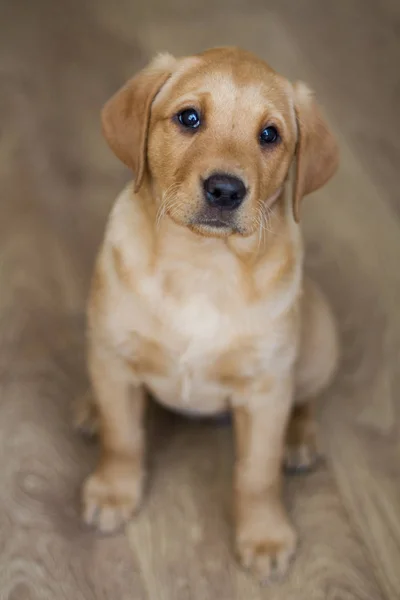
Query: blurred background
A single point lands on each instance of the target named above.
(59, 62)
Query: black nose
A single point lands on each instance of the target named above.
(224, 191)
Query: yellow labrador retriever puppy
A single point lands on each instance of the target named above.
(198, 292)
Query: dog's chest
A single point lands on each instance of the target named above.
(199, 310)
(192, 337)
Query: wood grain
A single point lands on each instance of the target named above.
(58, 179)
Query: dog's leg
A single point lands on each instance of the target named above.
(316, 365)
(265, 538)
(112, 493)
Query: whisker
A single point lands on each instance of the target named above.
(174, 207)
(264, 217)
(166, 201)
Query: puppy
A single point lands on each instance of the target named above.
(198, 293)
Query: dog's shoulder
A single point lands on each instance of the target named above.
(122, 258)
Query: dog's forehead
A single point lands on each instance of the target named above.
(226, 76)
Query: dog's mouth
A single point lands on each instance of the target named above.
(217, 223)
(213, 225)
(215, 219)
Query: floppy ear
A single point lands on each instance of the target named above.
(317, 154)
(126, 116)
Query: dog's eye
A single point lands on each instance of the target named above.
(189, 118)
(269, 135)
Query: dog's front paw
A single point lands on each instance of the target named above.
(112, 494)
(266, 547)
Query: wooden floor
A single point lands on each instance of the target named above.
(58, 63)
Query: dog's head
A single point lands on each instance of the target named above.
(215, 135)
